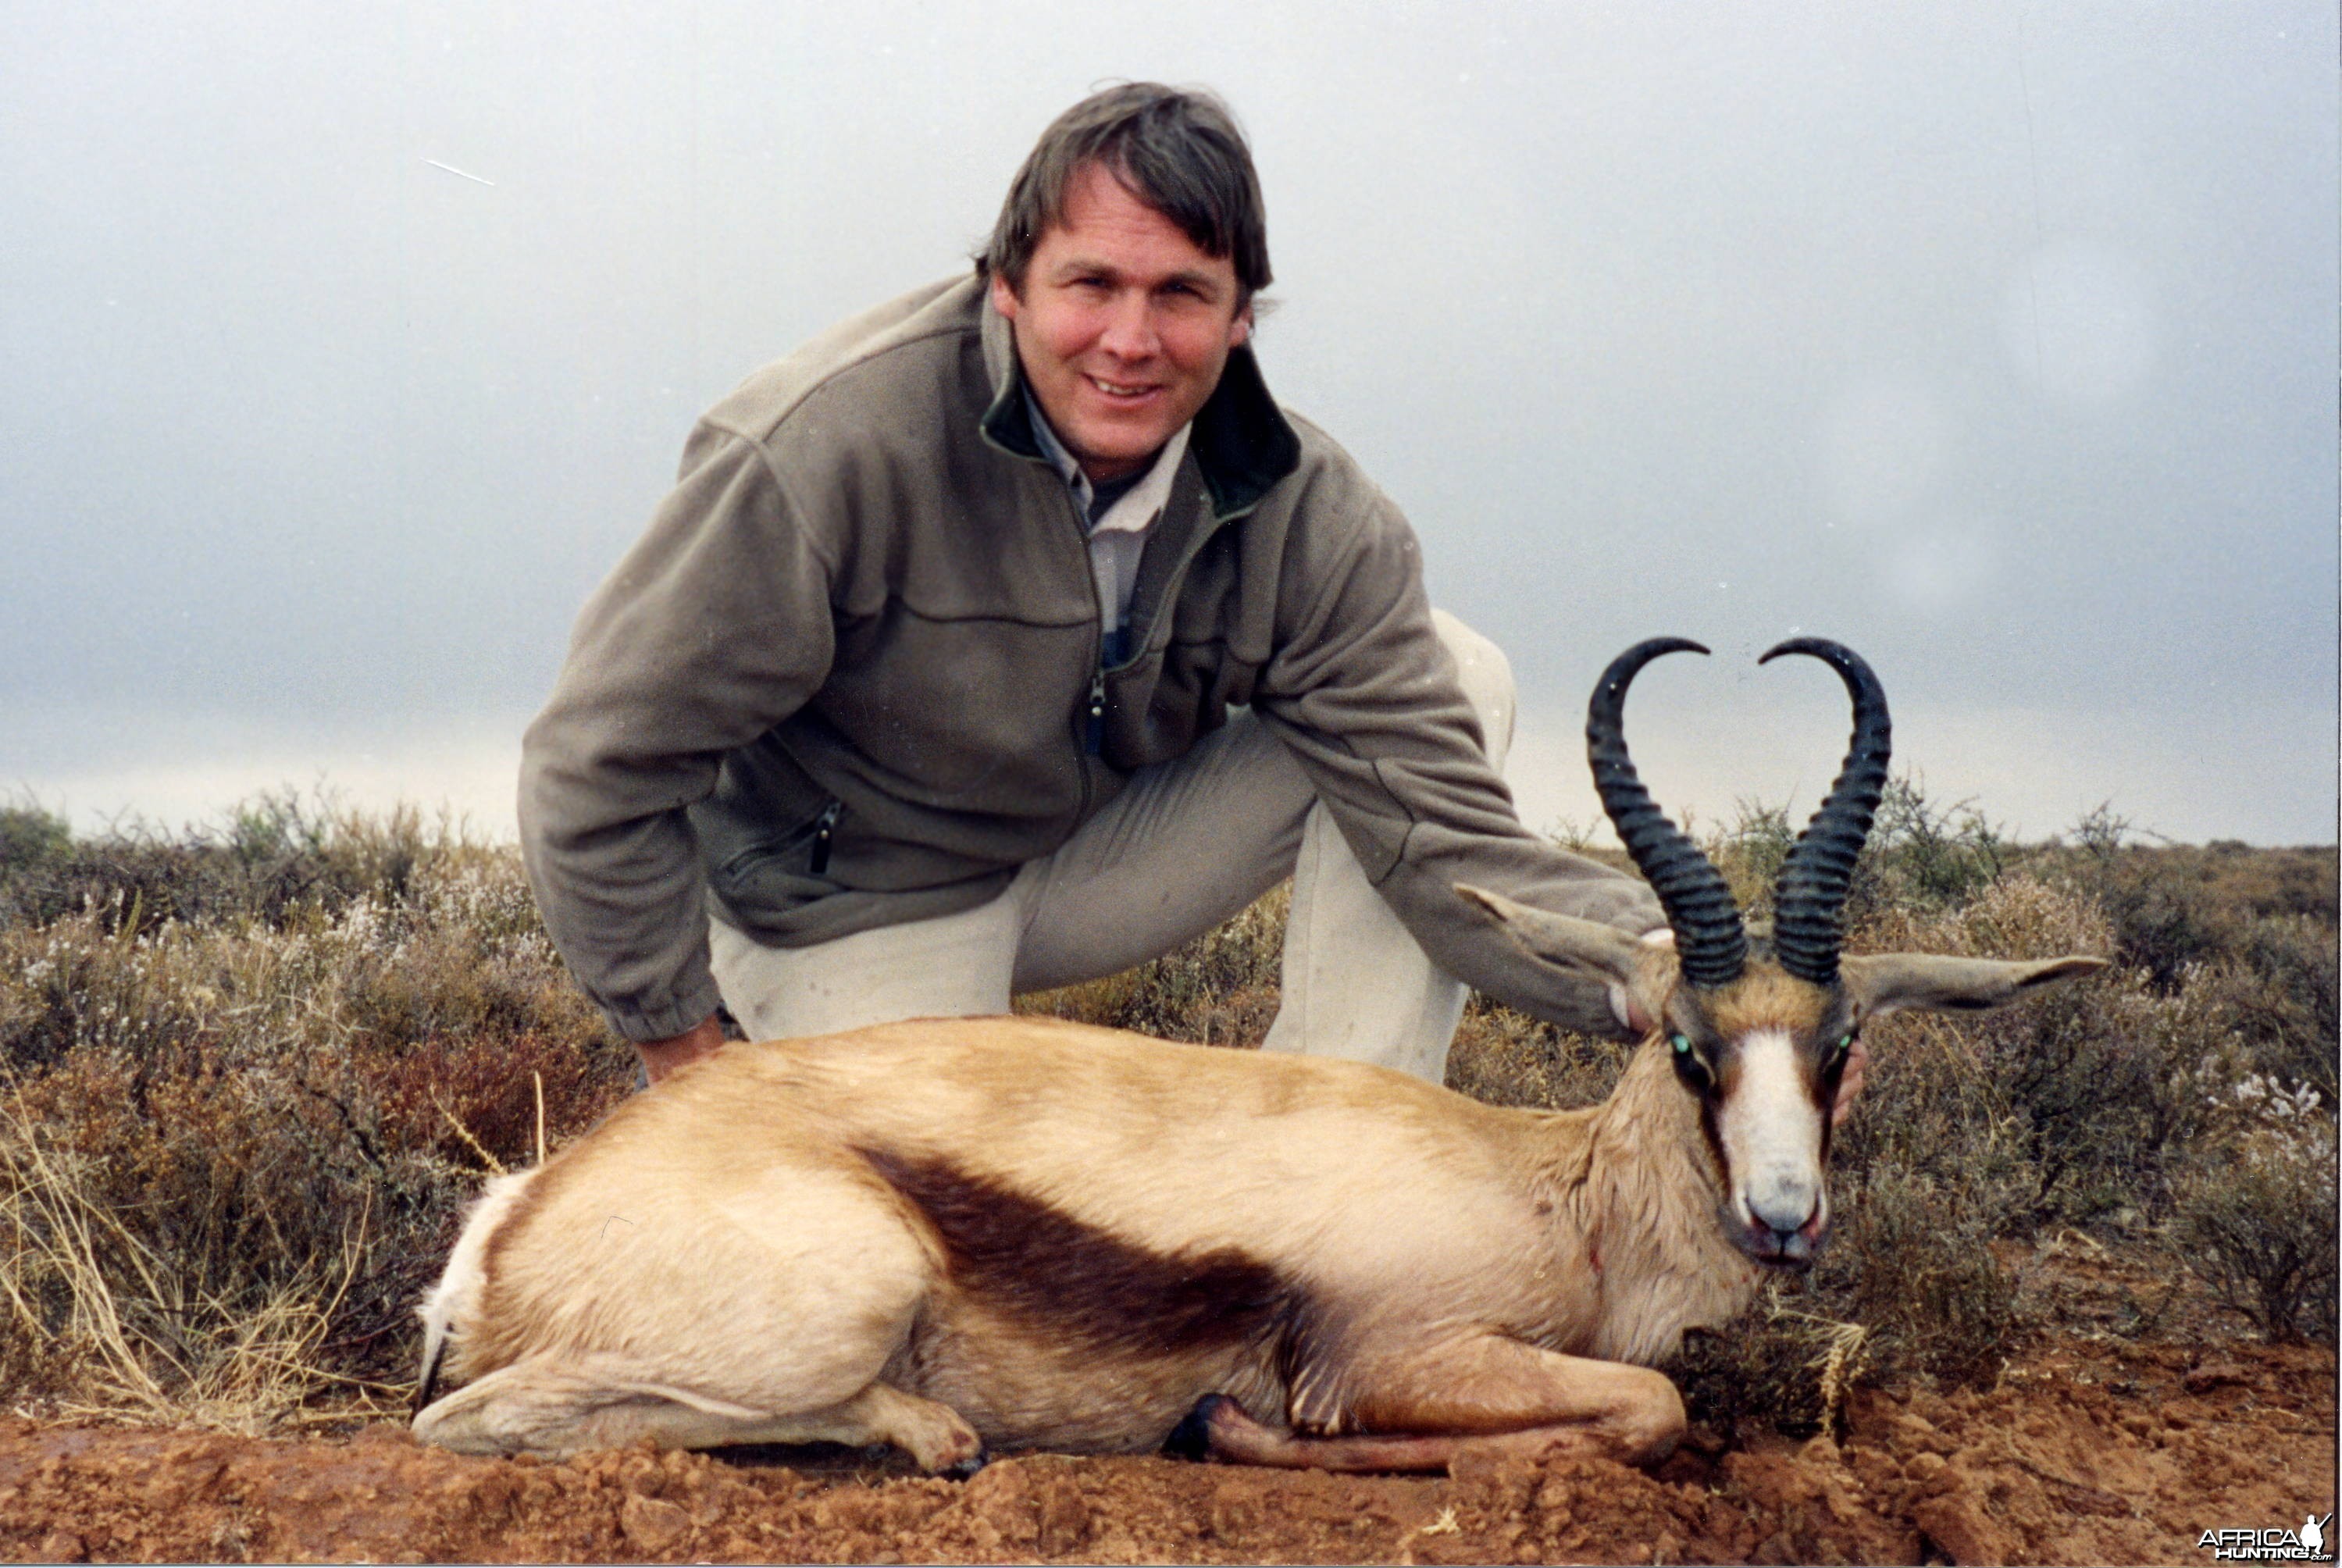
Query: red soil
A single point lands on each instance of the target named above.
(2089, 1450)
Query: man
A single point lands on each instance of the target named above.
(1008, 635)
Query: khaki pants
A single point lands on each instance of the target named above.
(1184, 847)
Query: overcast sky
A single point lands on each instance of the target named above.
(1996, 340)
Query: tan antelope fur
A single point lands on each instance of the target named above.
(956, 1235)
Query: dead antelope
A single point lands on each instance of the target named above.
(953, 1235)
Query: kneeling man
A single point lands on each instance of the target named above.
(1010, 635)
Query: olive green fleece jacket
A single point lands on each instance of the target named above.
(848, 677)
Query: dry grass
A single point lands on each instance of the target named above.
(90, 1296)
(232, 1150)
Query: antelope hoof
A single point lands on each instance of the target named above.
(967, 1467)
(1192, 1438)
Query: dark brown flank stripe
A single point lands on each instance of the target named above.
(1041, 1265)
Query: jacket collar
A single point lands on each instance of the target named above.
(1240, 440)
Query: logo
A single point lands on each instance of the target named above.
(2307, 1545)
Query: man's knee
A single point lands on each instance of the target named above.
(1487, 677)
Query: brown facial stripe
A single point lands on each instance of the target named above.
(1042, 1267)
(1714, 1137)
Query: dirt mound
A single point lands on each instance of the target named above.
(2087, 1453)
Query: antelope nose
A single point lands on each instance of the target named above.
(1784, 1219)
(1786, 1224)
(1783, 1204)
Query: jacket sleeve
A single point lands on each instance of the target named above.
(1363, 691)
(713, 629)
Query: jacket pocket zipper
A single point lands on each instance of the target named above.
(823, 827)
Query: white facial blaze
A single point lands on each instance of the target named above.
(1772, 1134)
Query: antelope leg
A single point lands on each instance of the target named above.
(1417, 1409)
(552, 1407)
(1219, 1429)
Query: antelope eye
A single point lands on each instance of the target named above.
(1688, 1066)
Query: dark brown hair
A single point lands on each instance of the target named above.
(1176, 149)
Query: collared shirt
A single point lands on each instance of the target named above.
(1118, 529)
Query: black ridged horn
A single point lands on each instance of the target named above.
(1810, 895)
(1710, 942)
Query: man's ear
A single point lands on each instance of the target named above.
(1003, 298)
(1240, 329)
(1592, 949)
(1885, 983)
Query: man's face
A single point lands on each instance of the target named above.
(1123, 325)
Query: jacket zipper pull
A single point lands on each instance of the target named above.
(823, 824)
(1097, 712)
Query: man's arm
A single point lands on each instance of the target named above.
(715, 627)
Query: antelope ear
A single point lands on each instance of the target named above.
(1586, 946)
(1889, 982)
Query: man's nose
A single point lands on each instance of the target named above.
(1130, 328)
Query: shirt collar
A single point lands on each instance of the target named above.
(1140, 504)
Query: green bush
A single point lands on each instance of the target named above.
(273, 858)
(31, 839)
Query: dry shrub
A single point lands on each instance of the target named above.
(1915, 1263)
(2177, 908)
(31, 839)
(232, 1153)
(1506, 1057)
(2065, 1109)
(1909, 1287)
(1919, 854)
(106, 1315)
(2277, 989)
(279, 856)
(1785, 1364)
(2257, 1209)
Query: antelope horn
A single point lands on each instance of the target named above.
(1810, 895)
(1710, 942)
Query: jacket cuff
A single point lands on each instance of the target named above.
(1633, 908)
(693, 1006)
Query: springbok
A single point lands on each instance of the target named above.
(955, 1235)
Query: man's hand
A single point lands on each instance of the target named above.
(1629, 1011)
(1849, 1081)
(661, 1057)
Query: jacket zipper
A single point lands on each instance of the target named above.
(823, 827)
(1096, 735)
(1092, 714)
